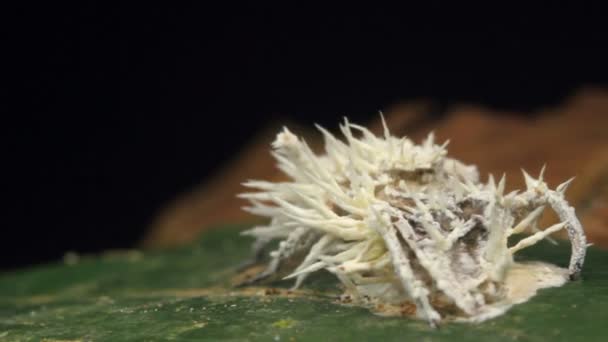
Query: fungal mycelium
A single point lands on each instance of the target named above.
(398, 223)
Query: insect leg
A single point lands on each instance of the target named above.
(296, 241)
(574, 229)
(412, 285)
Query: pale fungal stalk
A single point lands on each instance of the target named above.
(398, 222)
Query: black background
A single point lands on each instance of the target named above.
(115, 110)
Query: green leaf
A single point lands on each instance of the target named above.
(185, 295)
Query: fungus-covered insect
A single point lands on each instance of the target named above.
(399, 223)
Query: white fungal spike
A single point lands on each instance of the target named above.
(530, 182)
(491, 183)
(500, 190)
(528, 221)
(396, 222)
(542, 173)
(531, 240)
(387, 134)
(564, 186)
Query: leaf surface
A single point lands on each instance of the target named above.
(185, 294)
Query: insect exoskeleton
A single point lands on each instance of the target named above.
(398, 222)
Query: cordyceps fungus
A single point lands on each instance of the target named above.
(399, 223)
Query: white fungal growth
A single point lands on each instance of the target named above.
(399, 222)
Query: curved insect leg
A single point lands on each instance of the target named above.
(297, 240)
(574, 228)
(257, 252)
(414, 286)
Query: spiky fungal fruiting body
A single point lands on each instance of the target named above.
(399, 222)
